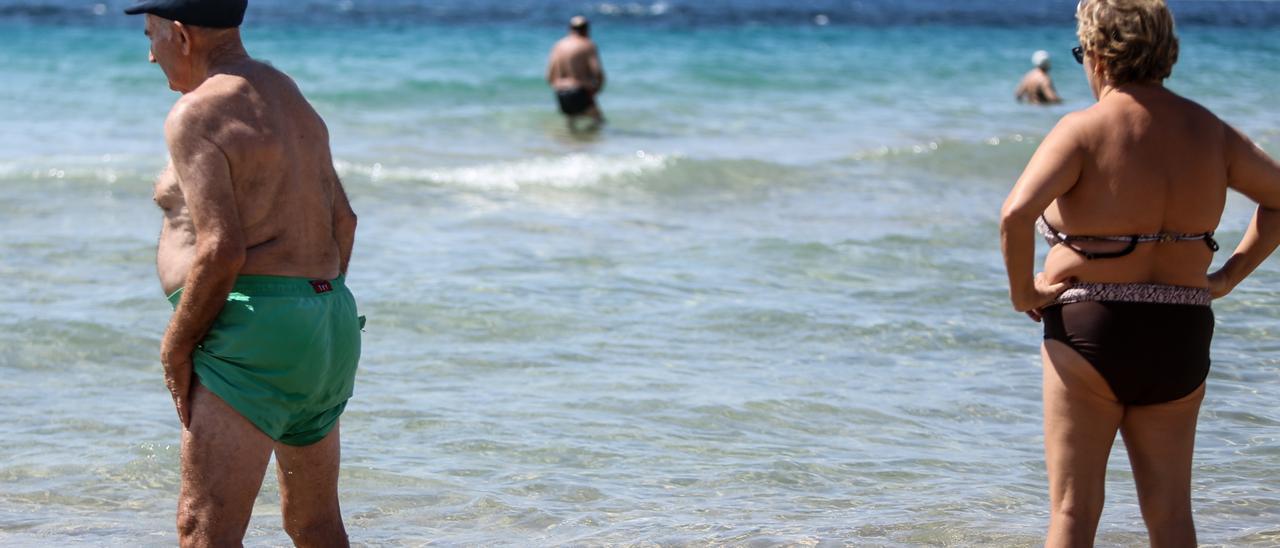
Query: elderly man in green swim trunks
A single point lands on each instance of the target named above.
(261, 352)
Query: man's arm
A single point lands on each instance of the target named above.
(344, 224)
(1051, 93)
(1021, 92)
(553, 60)
(597, 68)
(344, 218)
(204, 175)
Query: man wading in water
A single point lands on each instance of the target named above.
(576, 75)
(260, 355)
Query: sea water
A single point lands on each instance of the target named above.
(765, 306)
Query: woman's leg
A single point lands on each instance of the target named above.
(1161, 439)
(1081, 416)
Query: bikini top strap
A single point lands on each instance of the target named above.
(1167, 237)
(1051, 234)
(1055, 237)
(1209, 241)
(1091, 255)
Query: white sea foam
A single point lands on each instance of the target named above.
(564, 172)
(108, 169)
(633, 9)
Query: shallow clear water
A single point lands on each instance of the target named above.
(765, 307)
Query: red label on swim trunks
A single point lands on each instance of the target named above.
(321, 286)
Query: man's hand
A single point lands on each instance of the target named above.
(177, 377)
(1041, 295)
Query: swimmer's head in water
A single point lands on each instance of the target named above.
(1041, 60)
(580, 25)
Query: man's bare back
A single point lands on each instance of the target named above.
(575, 63)
(1037, 88)
(277, 152)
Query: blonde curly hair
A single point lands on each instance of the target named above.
(1134, 39)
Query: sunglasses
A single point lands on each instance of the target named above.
(1078, 53)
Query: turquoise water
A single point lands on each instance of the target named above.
(765, 306)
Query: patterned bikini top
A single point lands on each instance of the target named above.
(1055, 237)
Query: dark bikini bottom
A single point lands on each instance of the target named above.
(1150, 342)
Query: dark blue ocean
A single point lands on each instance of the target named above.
(662, 13)
(764, 307)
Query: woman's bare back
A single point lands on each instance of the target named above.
(1153, 163)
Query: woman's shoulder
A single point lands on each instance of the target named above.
(1197, 121)
(1078, 125)
(1126, 114)
(1190, 107)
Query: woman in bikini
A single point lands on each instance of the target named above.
(1128, 193)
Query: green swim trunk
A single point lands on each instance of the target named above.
(283, 354)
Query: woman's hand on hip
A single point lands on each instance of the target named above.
(1220, 284)
(1040, 294)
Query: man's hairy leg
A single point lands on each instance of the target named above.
(224, 458)
(597, 118)
(309, 492)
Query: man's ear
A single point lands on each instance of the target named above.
(183, 34)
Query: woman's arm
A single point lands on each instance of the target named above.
(1253, 173)
(1053, 171)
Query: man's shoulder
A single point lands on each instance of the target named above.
(228, 96)
(575, 43)
(1034, 75)
(214, 99)
(191, 116)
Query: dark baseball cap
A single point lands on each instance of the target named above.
(217, 14)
